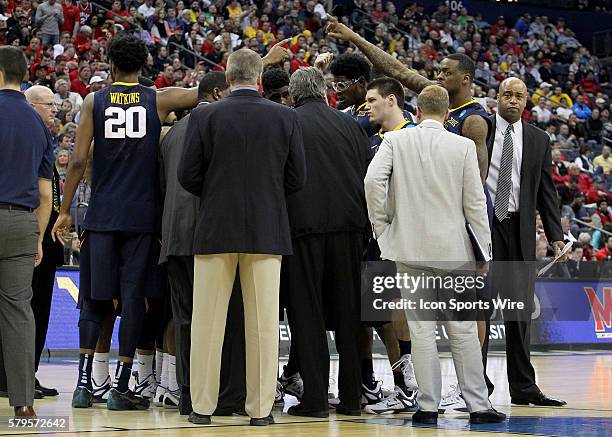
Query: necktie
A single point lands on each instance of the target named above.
(504, 179)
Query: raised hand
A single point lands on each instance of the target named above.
(277, 53)
(337, 30)
(323, 61)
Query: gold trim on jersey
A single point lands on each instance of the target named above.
(464, 105)
(126, 83)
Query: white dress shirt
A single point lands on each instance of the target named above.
(517, 159)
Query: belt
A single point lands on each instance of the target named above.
(12, 207)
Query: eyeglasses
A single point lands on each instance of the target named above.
(47, 104)
(340, 87)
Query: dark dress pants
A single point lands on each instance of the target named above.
(322, 278)
(514, 280)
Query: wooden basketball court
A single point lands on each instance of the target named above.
(583, 379)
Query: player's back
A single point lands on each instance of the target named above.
(457, 116)
(125, 188)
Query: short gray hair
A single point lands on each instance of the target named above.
(244, 66)
(307, 83)
(433, 100)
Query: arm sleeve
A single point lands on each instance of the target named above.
(376, 181)
(191, 168)
(547, 197)
(45, 169)
(295, 167)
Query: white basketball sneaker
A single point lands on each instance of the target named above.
(405, 363)
(453, 401)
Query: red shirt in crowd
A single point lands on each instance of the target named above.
(162, 82)
(296, 64)
(71, 16)
(605, 218)
(603, 254)
(76, 86)
(585, 183)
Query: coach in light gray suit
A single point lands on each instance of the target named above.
(435, 174)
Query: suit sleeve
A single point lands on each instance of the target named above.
(376, 182)
(192, 166)
(474, 201)
(547, 203)
(295, 167)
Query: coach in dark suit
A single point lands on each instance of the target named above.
(242, 156)
(328, 219)
(178, 226)
(519, 180)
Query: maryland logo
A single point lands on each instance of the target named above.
(602, 313)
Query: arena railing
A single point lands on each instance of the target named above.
(588, 225)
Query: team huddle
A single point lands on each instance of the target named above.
(119, 132)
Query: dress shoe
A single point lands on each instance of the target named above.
(300, 410)
(262, 421)
(346, 411)
(427, 417)
(487, 416)
(199, 419)
(38, 394)
(24, 412)
(539, 399)
(46, 391)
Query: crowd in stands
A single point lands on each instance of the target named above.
(65, 43)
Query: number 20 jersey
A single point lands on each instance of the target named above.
(125, 179)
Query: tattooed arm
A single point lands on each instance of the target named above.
(381, 60)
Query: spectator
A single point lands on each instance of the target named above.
(165, 79)
(603, 213)
(61, 164)
(604, 161)
(606, 252)
(63, 93)
(49, 18)
(147, 9)
(584, 160)
(566, 140)
(581, 109)
(299, 61)
(594, 126)
(80, 84)
(559, 166)
(71, 17)
(598, 192)
(543, 91)
(542, 109)
(559, 96)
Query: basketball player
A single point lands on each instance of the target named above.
(352, 72)
(467, 118)
(123, 215)
(383, 99)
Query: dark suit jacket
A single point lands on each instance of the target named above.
(180, 207)
(242, 156)
(337, 149)
(537, 190)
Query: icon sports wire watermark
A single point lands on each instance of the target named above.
(39, 423)
(442, 291)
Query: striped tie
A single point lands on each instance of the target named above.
(504, 179)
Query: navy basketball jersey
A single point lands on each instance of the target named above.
(377, 138)
(457, 116)
(361, 116)
(125, 184)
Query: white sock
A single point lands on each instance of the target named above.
(172, 384)
(159, 359)
(144, 366)
(164, 373)
(100, 370)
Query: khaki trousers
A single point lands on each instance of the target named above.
(213, 280)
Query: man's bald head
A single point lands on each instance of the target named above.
(512, 99)
(42, 100)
